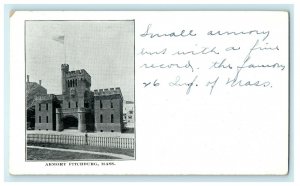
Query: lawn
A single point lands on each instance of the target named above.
(128, 152)
(45, 154)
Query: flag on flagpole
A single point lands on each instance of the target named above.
(60, 39)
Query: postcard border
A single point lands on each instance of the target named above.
(8, 8)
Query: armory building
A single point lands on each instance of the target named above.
(78, 107)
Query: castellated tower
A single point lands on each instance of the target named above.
(75, 88)
(76, 105)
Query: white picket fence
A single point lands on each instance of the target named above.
(113, 142)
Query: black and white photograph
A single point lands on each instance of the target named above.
(80, 102)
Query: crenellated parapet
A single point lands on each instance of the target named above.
(79, 74)
(108, 92)
(65, 67)
(47, 97)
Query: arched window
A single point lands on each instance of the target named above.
(101, 118)
(111, 118)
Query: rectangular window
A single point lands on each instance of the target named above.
(47, 119)
(101, 118)
(69, 104)
(111, 104)
(46, 106)
(111, 118)
(40, 119)
(76, 104)
(101, 104)
(39, 107)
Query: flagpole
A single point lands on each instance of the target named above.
(65, 49)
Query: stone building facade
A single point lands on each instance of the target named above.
(78, 107)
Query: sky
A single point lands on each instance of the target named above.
(105, 49)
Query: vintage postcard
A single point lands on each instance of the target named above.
(149, 93)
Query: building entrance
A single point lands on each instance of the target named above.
(70, 122)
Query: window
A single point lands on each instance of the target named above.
(129, 117)
(76, 82)
(111, 104)
(101, 104)
(40, 119)
(130, 112)
(47, 119)
(76, 104)
(39, 107)
(101, 118)
(112, 130)
(101, 130)
(69, 104)
(111, 118)
(46, 106)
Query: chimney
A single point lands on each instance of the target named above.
(40, 82)
(28, 78)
